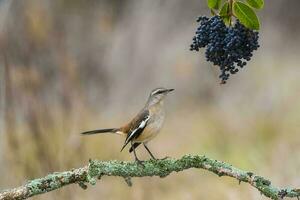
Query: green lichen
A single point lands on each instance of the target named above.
(82, 185)
(53, 181)
(161, 168)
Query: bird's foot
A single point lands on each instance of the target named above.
(164, 158)
(140, 162)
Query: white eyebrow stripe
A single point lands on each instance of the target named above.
(156, 91)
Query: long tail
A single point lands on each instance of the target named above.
(107, 130)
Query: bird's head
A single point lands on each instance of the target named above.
(157, 95)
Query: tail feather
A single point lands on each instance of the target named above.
(108, 130)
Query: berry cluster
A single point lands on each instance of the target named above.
(228, 47)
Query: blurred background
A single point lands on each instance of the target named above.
(68, 66)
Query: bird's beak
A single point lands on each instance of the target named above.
(169, 90)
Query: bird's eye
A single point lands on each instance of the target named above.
(159, 92)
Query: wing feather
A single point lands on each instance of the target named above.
(137, 126)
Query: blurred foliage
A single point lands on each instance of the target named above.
(69, 66)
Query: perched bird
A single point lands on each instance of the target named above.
(145, 126)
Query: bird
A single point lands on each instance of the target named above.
(144, 126)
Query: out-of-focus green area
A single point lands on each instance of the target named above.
(71, 66)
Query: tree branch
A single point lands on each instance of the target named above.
(162, 168)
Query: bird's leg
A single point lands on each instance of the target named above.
(152, 156)
(135, 156)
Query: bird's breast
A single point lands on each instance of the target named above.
(153, 126)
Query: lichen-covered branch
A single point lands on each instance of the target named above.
(162, 168)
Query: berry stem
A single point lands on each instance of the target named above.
(213, 12)
(230, 13)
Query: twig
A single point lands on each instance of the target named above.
(161, 168)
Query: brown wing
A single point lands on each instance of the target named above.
(135, 127)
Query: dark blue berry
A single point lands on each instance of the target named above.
(226, 47)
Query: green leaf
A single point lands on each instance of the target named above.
(218, 4)
(246, 15)
(224, 13)
(214, 4)
(258, 4)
